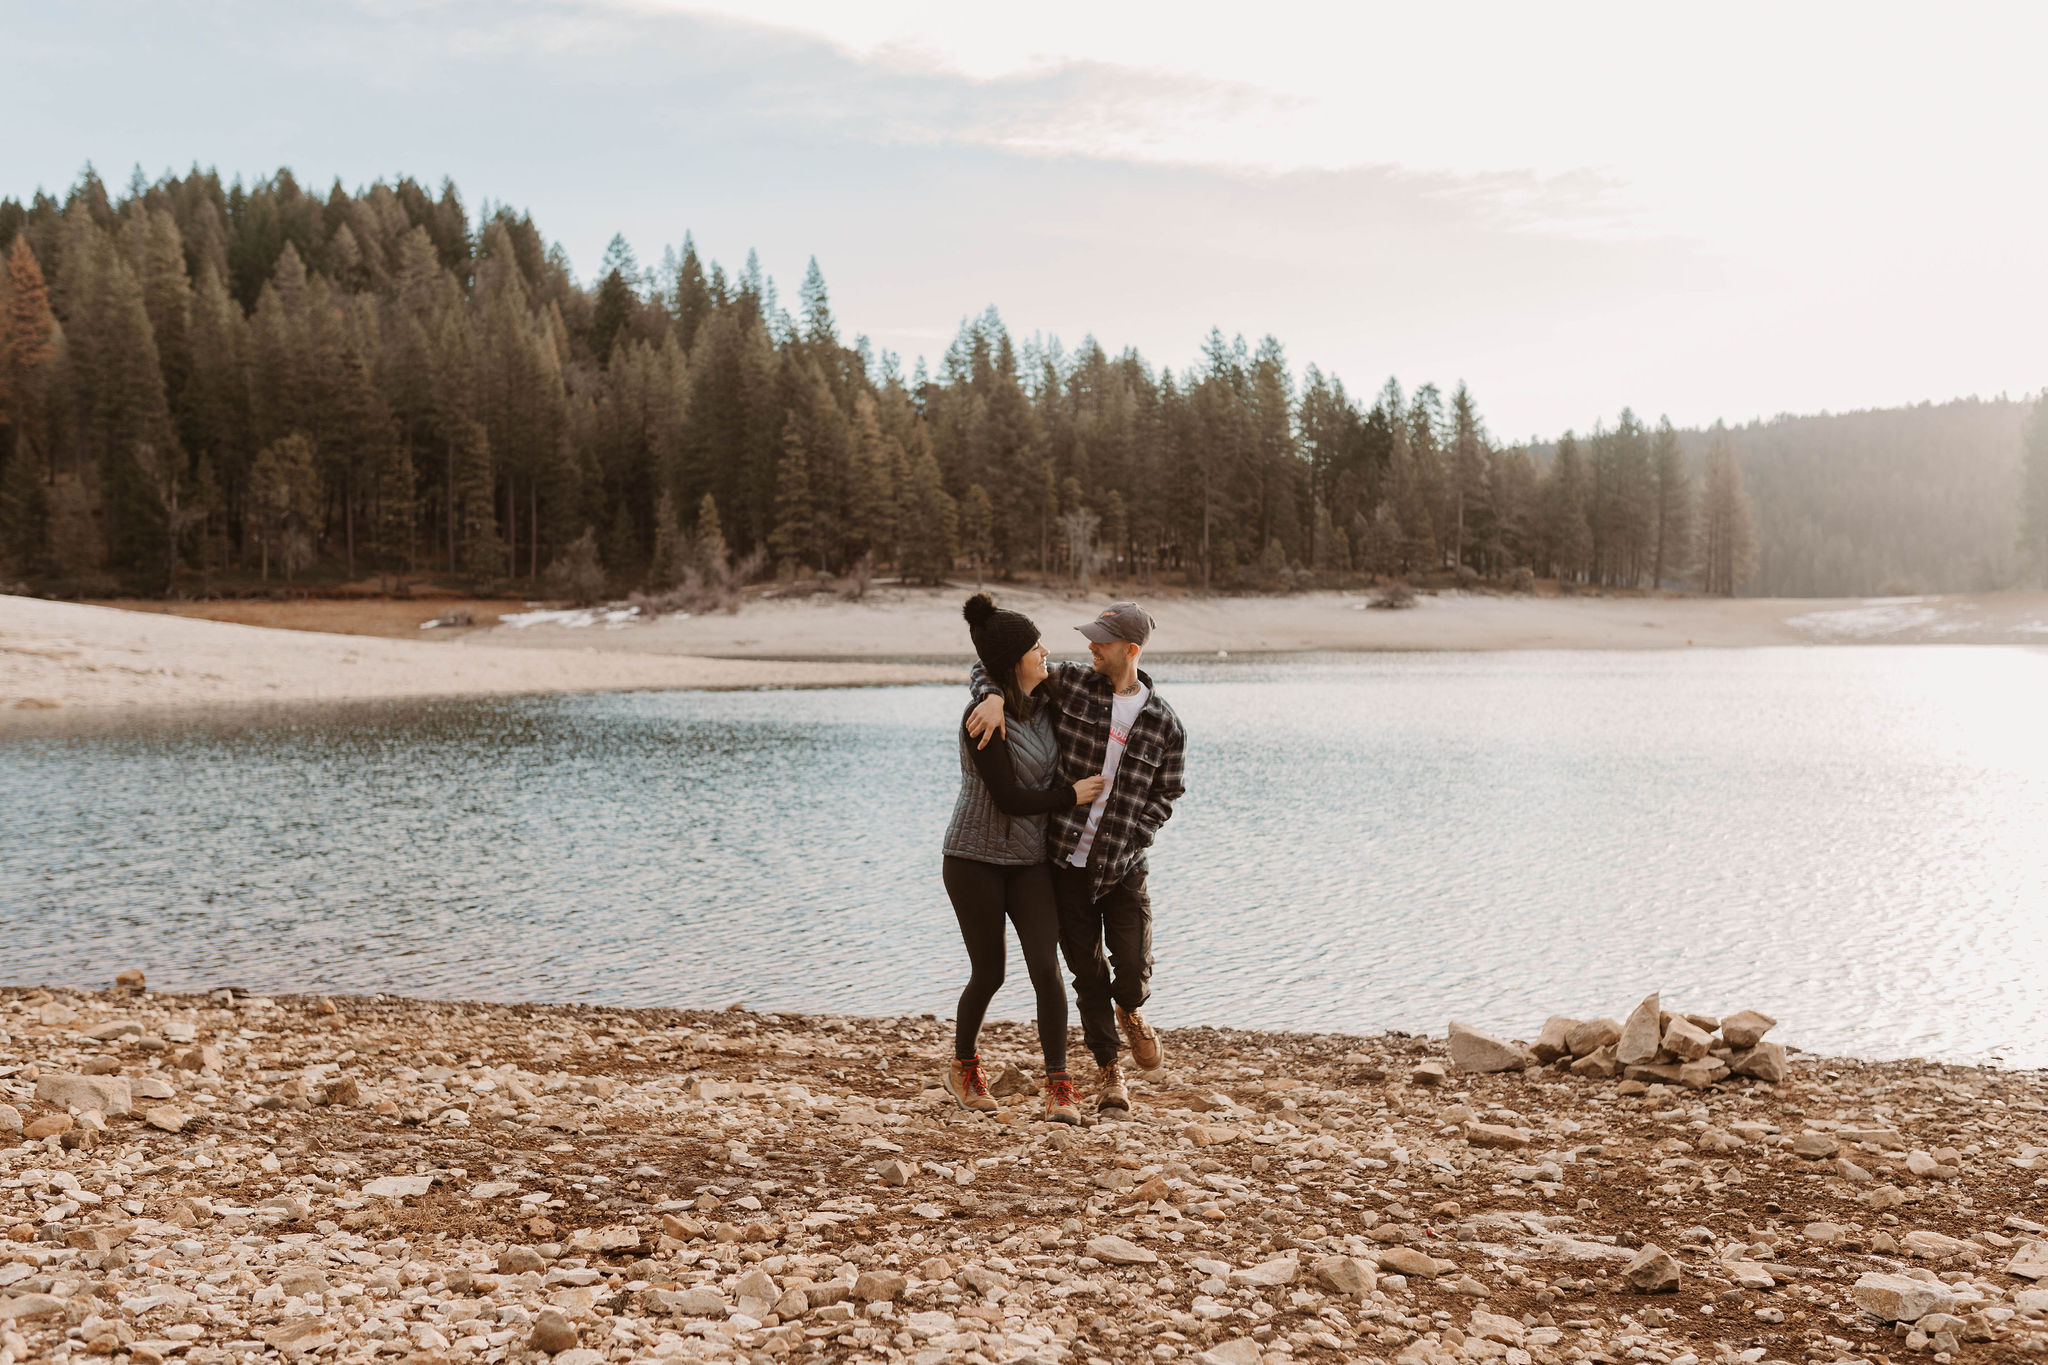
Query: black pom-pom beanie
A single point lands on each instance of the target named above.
(1000, 637)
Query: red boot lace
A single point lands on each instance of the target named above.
(1060, 1091)
(970, 1076)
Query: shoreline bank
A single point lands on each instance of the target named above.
(57, 655)
(380, 1177)
(60, 655)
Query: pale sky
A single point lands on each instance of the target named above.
(1722, 212)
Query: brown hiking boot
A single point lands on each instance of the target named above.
(1142, 1039)
(1109, 1090)
(1061, 1104)
(965, 1084)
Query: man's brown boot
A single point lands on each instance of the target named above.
(965, 1084)
(1109, 1090)
(1142, 1039)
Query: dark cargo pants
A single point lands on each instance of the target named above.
(1108, 947)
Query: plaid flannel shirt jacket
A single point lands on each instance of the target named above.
(1149, 779)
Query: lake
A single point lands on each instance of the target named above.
(1852, 839)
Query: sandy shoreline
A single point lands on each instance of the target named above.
(921, 623)
(56, 655)
(64, 655)
(230, 1179)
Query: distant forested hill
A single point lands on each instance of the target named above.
(1893, 500)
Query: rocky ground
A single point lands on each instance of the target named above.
(229, 1177)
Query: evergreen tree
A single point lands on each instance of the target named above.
(1471, 488)
(873, 511)
(118, 390)
(621, 550)
(818, 328)
(977, 529)
(1727, 543)
(931, 532)
(792, 540)
(1567, 536)
(24, 516)
(27, 346)
(613, 307)
(395, 510)
(213, 415)
(714, 557)
(1673, 502)
(1116, 524)
(483, 549)
(2034, 491)
(671, 559)
(693, 300)
(283, 488)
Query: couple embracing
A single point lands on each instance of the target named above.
(1067, 772)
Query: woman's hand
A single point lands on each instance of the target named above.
(1087, 789)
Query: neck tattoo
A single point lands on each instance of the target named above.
(1130, 691)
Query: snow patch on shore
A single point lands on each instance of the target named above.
(1875, 617)
(611, 618)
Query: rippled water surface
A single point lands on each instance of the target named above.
(1855, 840)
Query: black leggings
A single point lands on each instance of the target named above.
(983, 894)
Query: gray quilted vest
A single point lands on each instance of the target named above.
(981, 832)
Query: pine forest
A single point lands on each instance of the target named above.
(209, 387)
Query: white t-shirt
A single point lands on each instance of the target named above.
(1123, 714)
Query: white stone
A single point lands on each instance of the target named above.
(398, 1186)
(1746, 1028)
(108, 1094)
(1474, 1051)
(1497, 1327)
(1685, 1041)
(1594, 1034)
(1349, 1275)
(1641, 1033)
(1765, 1061)
(1113, 1250)
(1931, 1246)
(1896, 1298)
(2029, 1262)
(1267, 1274)
(1237, 1351)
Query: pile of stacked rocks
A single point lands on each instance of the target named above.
(1652, 1045)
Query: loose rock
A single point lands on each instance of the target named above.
(1267, 1275)
(1120, 1251)
(1591, 1036)
(1746, 1028)
(1554, 1040)
(879, 1286)
(552, 1333)
(1896, 1298)
(1473, 1051)
(108, 1094)
(1653, 1271)
(1351, 1275)
(1408, 1261)
(1641, 1033)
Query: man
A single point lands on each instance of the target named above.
(1109, 719)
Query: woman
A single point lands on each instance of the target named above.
(995, 864)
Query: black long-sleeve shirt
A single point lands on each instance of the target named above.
(999, 774)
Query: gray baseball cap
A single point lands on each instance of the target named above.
(1121, 621)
